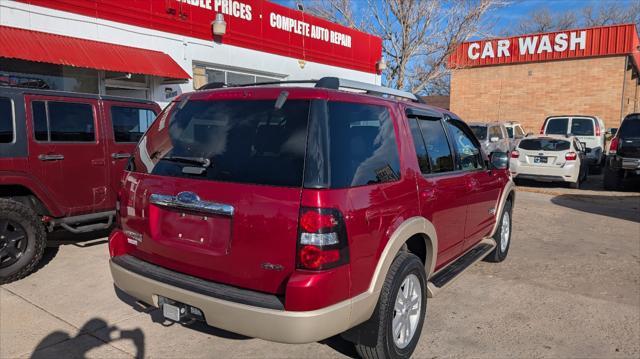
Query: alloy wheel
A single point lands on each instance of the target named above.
(406, 313)
(13, 242)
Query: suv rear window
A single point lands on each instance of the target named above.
(557, 126)
(232, 141)
(630, 128)
(6, 120)
(541, 144)
(582, 127)
(480, 132)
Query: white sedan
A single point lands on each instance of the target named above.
(550, 159)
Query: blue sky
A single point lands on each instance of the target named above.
(513, 14)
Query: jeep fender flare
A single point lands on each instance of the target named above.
(19, 179)
(364, 304)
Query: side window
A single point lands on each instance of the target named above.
(418, 144)
(40, 127)
(557, 126)
(63, 121)
(469, 155)
(6, 120)
(519, 132)
(437, 145)
(130, 123)
(494, 131)
(363, 147)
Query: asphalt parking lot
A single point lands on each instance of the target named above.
(570, 288)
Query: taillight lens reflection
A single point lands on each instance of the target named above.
(570, 156)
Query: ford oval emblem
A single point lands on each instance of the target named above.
(187, 197)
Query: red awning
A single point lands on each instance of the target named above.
(71, 51)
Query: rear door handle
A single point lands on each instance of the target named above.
(119, 156)
(52, 157)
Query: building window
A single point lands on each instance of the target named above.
(48, 76)
(203, 74)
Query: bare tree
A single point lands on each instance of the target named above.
(418, 35)
(611, 13)
(543, 20)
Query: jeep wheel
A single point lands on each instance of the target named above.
(22, 240)
(400, 312)
(502, 236)
(612, 179)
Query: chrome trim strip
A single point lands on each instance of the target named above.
(197, 204)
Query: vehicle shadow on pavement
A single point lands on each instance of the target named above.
(621, 207)
(341, 345)
(53, 345)
(59, 238)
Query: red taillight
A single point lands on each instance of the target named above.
(570, 156)
(118, 244)
(312, 221)
(597, 128)
(542, 128)
(613, 146)
(322, 239)
(313, 257)
(515, 154)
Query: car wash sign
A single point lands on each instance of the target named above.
(560, 45)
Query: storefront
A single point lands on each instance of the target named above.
(158, 49)
(529, 77)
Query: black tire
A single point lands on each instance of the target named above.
(17, 219)
(612, 179)
(576, 184)
(385, 347)
(499, 254)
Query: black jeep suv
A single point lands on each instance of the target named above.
(623, 159)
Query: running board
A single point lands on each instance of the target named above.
(448, 274)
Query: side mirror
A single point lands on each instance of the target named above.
(494, 139)
(499, 160)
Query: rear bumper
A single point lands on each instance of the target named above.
(567, 173)
(625, 163)
(253, 321)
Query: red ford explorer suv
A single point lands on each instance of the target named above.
(294, 214)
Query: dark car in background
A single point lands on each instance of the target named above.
(623, 159)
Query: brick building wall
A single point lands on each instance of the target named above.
(530, 92)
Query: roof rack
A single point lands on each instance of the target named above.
(333, 83)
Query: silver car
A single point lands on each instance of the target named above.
(493, 136)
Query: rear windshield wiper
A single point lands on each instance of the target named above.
(204, 162)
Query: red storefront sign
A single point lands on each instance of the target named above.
(254, 24)
(559, 45)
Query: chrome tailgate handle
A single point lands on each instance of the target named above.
(191, 201)
(52, 157)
